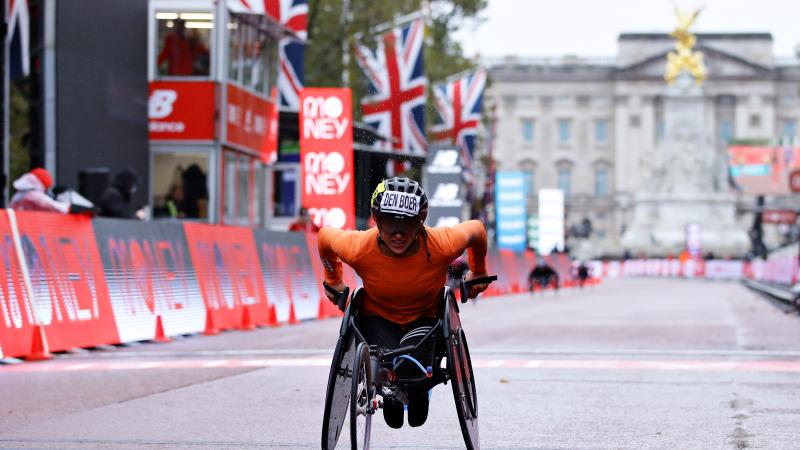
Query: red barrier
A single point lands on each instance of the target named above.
(66, 275)
(116, 280)
(229, 273)
(511, 270)
(285, 261)
(149, 274)
(16, 310)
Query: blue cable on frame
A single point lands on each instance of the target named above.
(396, 363)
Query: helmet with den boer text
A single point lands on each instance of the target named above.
(399, 197)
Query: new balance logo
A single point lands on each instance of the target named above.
(446, 194)
(160, 104)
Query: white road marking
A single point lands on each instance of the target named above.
(522, 364)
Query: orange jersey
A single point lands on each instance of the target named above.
(401, 289)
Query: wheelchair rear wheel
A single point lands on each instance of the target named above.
(462, 378)
(337, 397)
(361, 397)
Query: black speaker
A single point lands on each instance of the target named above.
(92, 182)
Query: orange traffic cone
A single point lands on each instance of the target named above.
(292, 317)
(247, 322)
(160, 336)
(273, 317)
(323, 311)
(40, 351)
(211, 330)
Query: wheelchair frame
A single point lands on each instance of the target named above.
(349, 357)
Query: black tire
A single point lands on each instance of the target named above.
(462, 378)
(361, 397)
(337, 397)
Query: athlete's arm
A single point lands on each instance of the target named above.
(331, 263)
(476, 253)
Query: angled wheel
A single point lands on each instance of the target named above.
(361, 396)
(459, 367)
(337, 398)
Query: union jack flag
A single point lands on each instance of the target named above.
(292, 14)
(459, 103)
(396, 73)
(18, 38)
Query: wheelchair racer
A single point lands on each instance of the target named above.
(403, 265)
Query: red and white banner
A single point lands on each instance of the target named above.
(67, 285)
(251, 122)
(69, 281)
(326, 156)
(229, 273)
(181, 110)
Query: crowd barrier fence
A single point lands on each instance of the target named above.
(70, 281)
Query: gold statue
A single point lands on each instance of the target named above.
(685, 59)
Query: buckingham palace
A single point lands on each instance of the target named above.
(590, 126)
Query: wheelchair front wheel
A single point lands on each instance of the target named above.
(459, 368)
(337, 398)
(361, 400)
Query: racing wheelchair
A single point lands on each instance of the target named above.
(353, 388)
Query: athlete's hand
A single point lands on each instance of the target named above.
(339, 288)
(478, 288)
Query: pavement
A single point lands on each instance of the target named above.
(629, 364)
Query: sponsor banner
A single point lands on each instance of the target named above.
(495, 263)
(326, 156)
(510, 203)
(16, 309)
(70, 297)
(779, 216)
(181, 110)
(285, 262)
(562, 265)
(445, 188)
(724, 270)
(251, 122)
(149, 273)
(511, 265)
(228, 269)
(760, 170)
(551, 220)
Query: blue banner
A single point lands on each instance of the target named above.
(510, 201)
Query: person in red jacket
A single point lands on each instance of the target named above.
(184, 54)
(304, 223)
(32, 195)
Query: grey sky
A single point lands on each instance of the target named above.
(590, 27)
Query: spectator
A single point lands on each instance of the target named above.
(303, 223)
(116, 199)
(583, 273)
(32, 193)
(200, 55)
(184, 55)
(174, 202)
(195, 192)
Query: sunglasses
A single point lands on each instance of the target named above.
(406, 226)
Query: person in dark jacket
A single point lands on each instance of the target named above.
(116, 199)
(195, 193)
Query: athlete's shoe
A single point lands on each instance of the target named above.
(418, 410)
(393, 413)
